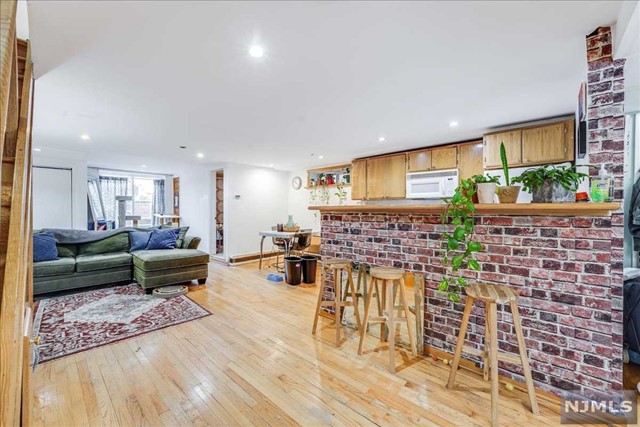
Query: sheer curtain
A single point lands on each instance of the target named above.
(157, 204)
(110, 187)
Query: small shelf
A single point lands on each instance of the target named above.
(328, 186)
(337, 175)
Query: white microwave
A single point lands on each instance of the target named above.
(432, 185)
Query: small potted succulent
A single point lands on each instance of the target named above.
(486, 186)
(551, 184)
(507, 193)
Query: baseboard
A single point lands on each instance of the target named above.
(252, 257)
(471, 366)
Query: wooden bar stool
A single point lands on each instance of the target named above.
(492, 295)
(389, 278)
(338, 266)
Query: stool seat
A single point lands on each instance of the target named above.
(386, 273)
(490, 292)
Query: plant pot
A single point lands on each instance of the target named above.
(552, 192)
(486, 192)
(508, 194)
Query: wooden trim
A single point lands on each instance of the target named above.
(471, 366)
(252, 257)
(531, 125)
(511, 209)
(329, 168)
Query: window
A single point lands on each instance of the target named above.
(147, 196)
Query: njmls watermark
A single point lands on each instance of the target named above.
(616, 407)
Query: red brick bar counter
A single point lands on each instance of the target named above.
(558, 257)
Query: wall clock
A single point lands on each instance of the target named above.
(296, 183)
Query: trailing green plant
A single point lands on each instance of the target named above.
(505, 164)
(482, 179)
(341, 194)
(567, 176)
(460, 246)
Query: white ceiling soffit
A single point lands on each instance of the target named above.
(146, 77)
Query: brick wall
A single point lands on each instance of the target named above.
(560, 266)
(606, 145)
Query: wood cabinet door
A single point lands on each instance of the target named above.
(359, 180)
(395, 177)
(512, 143)
(419, 161)
(444, 158)
(376, 178)
(470, 160)
(546, 144)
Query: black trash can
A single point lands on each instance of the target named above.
(293, 270)
(309, 268)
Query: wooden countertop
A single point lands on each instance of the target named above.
(512, 209)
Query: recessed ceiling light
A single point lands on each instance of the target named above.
(85, 137)
(271, 165)
(143, 166)
(37, 149)
(321, 157)
(381, 139)
(453, 124)
(200, 155)
(256, 51)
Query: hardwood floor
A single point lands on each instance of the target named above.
(255, 362)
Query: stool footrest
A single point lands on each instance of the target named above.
(377, 319)
(503, 357)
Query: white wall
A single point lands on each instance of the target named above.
(262, 203)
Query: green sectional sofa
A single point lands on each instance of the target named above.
(108, 260)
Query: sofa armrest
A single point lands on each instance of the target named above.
(190, 242)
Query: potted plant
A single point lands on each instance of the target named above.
(460, 246)
(341, 194)
(486, 187)
(551, 184)
(507, 193)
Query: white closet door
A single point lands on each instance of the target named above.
(52, 200)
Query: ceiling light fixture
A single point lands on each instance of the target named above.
(271, 165)
(381, 139)
(200, 155)
(85, 137)
(453, 124)
(37, 149)
(321, 157)
(256, 51)
(143, 166)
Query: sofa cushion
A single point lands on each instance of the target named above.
(181, 234)
(163, 239)
(163, 259)
(102, 261)
(117, 243)
(44, 247)
(54, 268)
(139, 240)
(67, 250)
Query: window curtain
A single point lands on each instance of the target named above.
(110, 187)
(157, 204)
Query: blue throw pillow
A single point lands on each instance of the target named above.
(163, 238)
(139, 240)
(44, 247)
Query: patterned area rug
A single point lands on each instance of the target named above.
(73, 323)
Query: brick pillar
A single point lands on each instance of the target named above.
(606, 145)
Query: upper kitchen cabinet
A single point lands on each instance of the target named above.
(552, 143)
(512, 141)
(359, 179)
(470, 160)
(386, 177)
(444, 158)
(419, 161)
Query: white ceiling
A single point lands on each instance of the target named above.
(144, 77)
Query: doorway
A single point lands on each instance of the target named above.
(218, 218)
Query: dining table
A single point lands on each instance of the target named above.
(286, 236)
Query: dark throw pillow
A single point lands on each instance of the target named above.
(44, 247)
(139, 240)
(181, 235)
(163, 238)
